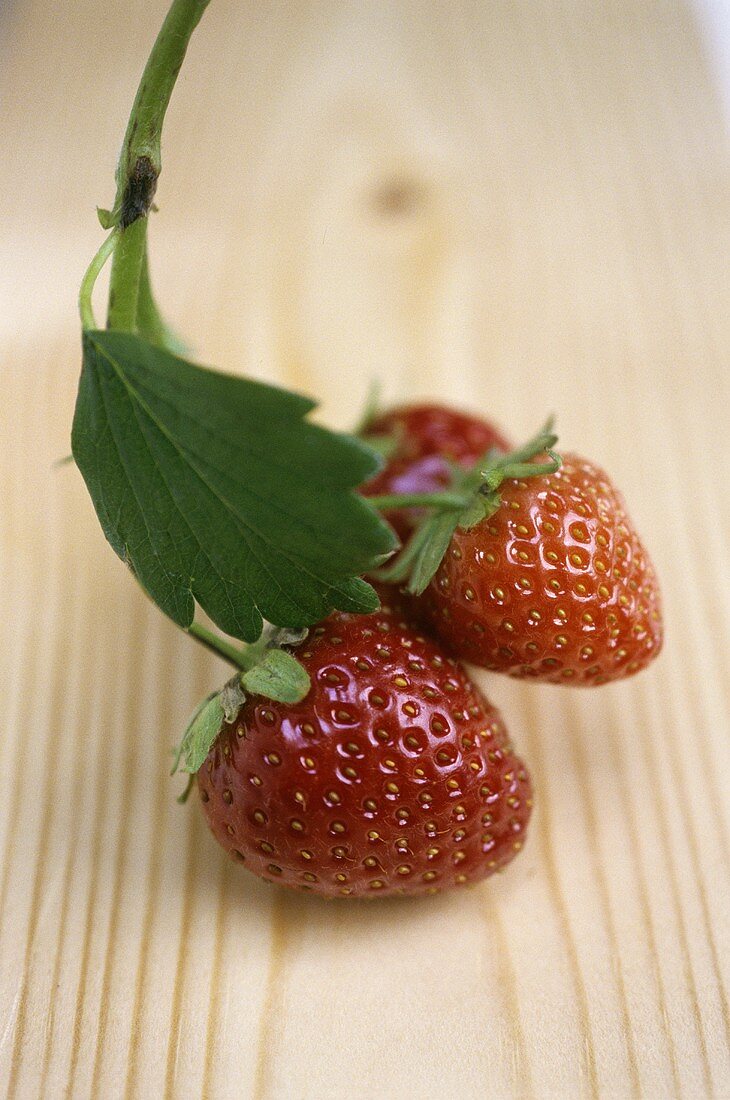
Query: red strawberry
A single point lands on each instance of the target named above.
(426, 438)
(394, 775)
(555, 584)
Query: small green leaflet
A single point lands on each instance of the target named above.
(277, 676)
(217, 489)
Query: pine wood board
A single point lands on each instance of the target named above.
(521, 207)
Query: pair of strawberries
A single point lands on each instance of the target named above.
(395, 774)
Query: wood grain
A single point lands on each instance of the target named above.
(520, 207)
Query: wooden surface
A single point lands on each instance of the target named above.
(522, 207)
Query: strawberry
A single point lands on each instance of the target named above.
(427, 438)
(555, 584)
(394, 775)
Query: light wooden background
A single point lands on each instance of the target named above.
(517, 205)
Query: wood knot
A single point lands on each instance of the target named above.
(397, 197)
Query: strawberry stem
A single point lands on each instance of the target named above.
(236, 657)
(139, 167)
(126, 277)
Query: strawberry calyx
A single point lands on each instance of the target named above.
(473, 496)
(385, 444)
(266, 668)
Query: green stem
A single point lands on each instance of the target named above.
(126, 277)
(140, 161)
(417, 500)
(86, 308)
(144, 129)
(234, 656)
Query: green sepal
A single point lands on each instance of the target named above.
(205, 725)
(202, 730)
(232, 698)
(441, 528)
(278, 676)
(383, 445)
(481, 506)
(480, 498)
(273, 673)
(371, 409)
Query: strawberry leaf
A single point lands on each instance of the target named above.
(216, 489)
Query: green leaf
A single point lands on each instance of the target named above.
(216, 489)
(202, 730)
(384, 445)
(278, 676)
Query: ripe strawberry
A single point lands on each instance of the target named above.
(427, 437)
(555, 584)
(393, 775)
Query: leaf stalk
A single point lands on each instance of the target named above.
(126, 277)
(86, 308)
(212, 641)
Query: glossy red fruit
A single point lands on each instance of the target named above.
(427, 436)
(556, 585)
(394, 775)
